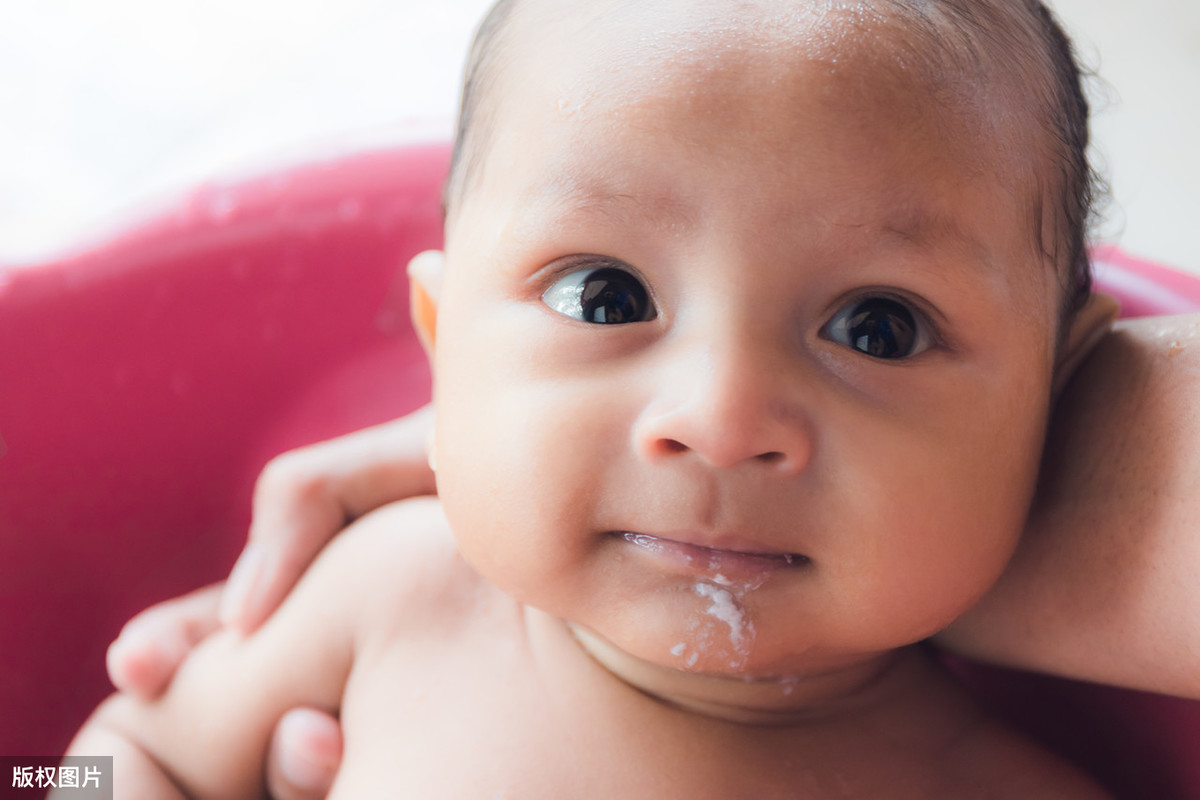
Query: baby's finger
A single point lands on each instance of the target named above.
(152, 645)
(305, 753)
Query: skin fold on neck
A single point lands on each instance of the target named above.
(778, 700)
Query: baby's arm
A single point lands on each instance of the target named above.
(208, 734)
(1104, 584)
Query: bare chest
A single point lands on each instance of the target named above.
(477, 720)
(478, 716)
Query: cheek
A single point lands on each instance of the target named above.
(939, 504)
(523, 463)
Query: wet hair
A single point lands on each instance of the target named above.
(965, 44)
(980, 38)
(474, 120)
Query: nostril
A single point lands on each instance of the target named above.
(773, 457)
(672, 446)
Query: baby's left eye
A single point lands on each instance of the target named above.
(606, 295)
(880, 327)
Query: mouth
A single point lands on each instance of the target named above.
(728, 562)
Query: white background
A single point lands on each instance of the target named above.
(109, 104)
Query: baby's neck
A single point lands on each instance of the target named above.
(782, 700)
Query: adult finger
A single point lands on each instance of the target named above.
(304, 756)
(304, 497)
(151, 646)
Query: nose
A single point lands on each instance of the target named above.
(728, 404)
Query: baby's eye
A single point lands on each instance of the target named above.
(606, 295)
(880, 327)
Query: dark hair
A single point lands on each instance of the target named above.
(1081, 185)
(473, 123)
(979, 37)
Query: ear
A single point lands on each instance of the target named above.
(425, 285)
(1088, 327)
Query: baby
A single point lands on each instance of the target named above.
(744, 343)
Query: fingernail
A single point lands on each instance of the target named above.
(309, 751)
(140, 658)
(244, 582)
(117, 661)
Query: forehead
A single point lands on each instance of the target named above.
(650, 38)
(673, 30)
(587, 88)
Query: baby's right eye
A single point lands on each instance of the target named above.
(604, 295)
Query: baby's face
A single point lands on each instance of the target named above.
(744, 353)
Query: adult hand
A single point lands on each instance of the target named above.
(302, 500)
(154, 643)
(305, 753)
(306, 747)
(304, 497)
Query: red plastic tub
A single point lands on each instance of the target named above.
(145, 380)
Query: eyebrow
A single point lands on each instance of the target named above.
(920, 225)
(911, 223)
(566, 196)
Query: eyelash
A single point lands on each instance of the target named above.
(843, 329)
(568, 294)
(904, 332)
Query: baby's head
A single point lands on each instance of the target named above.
(751, 314)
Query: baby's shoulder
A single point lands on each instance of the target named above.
(396, 530)
(402, 567)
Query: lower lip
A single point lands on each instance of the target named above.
(711, 560)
